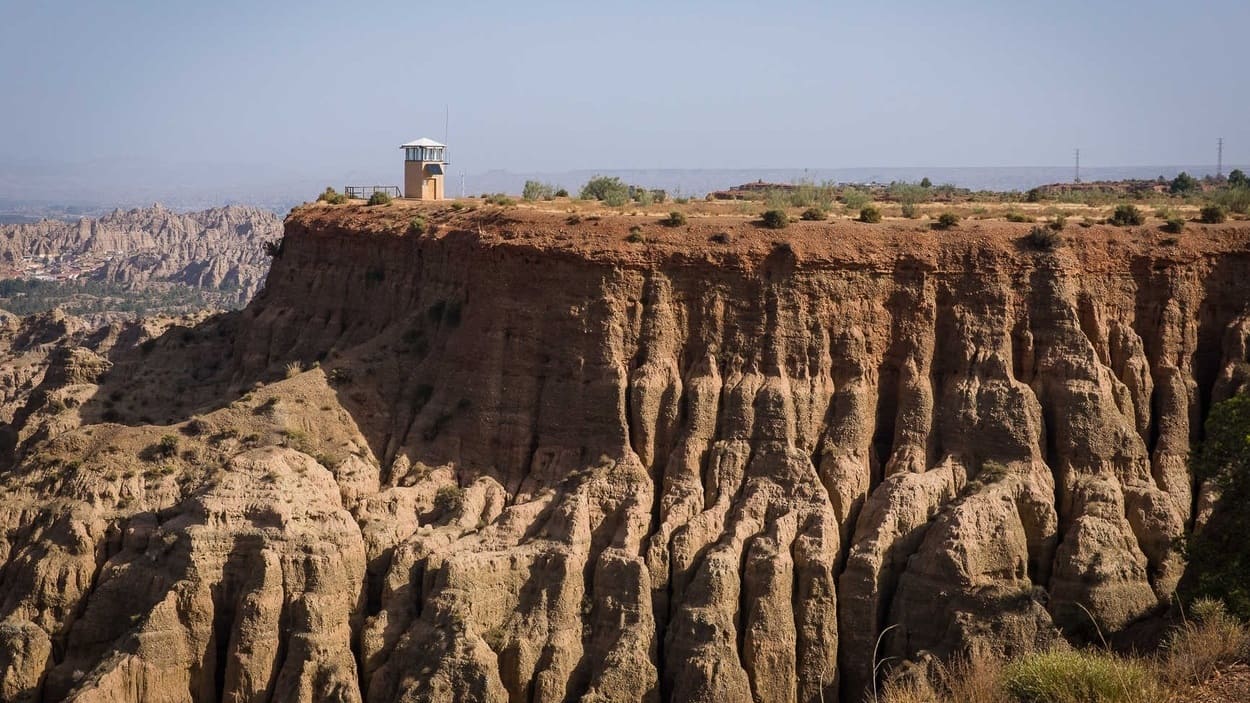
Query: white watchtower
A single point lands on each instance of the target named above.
(424, 160)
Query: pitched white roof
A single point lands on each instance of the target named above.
(423, 141)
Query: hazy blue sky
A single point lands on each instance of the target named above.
(329, 90)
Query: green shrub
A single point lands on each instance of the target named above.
(869, 214)
(331, 196)
(1070, 676)
(1238, 178)
(814, 214)
(1183, 184)
(1236, 199)
(635, 235)
(416, 225)
(167, 447)
(537, 190)
(802, 194)
(610, 190)
(776, 198)
(911, 211)
(1013, 216)
(855, 199)
(1213, 214)
(1174, 225)
(1060, 221)
(379, 197)
(674, 219)
(499, 199)
(1126, 215)
(1044, 238)
(908, 194)
(774, 219)
(1219, 554)
(449, 499)
(926, 183)
(946, 220)
(562, 193)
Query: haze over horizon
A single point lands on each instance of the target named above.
(236, 95)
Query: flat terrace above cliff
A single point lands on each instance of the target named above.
(725, 235)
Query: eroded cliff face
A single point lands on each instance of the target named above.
(514, 458)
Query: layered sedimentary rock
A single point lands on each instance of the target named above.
(509, 457)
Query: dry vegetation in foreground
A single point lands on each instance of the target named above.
(1209, 640)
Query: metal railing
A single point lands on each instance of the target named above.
(364, 192)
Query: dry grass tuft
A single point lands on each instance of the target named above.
(911, 689)
(1211, 639)
(975, 678)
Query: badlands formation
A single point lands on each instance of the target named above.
(217, 251)
(509, 455)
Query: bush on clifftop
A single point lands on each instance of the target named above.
(537, 190)
(946, 220)
(674, 219)
(1212, 214)
(1174, 225)
(608, 189)
(1126, 215)
(332, 197)
(1044, 238)
(775, 219)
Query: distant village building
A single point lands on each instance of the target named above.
(424, 162)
